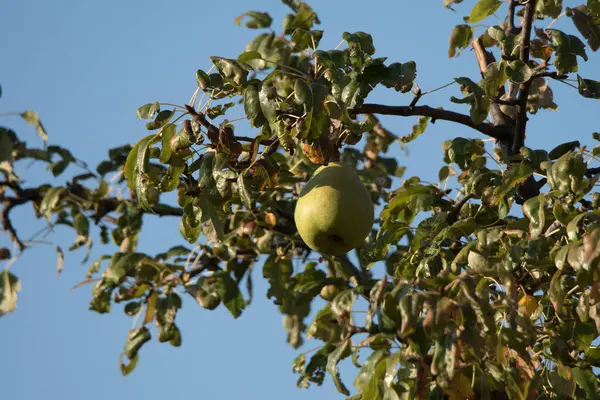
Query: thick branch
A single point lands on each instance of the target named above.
(496, 132)
(521, 123)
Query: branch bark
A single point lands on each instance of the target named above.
(496, 132)
(521, 122)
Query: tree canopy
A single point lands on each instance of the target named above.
(485, 284)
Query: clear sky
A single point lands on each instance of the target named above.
(85, 67)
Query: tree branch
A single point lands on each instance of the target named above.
(521, 123)
(512, 29)
(496, 132)
(7, 223)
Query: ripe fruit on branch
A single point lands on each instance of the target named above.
(334, 213)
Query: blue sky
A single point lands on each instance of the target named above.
(86, 67)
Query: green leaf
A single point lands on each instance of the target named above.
(400, 76)
(514, 176)
(256, 20)
(460, 38)
(135, 340)
(587, 380)
(143, 183)
(518, 72)
(548, 8)
(483, 9)
(368, 369)
(9, 286)
(50, 201)
(32, 118)
(166, 135)
(161, 120)
(480, 105)
(533, 209)
(586, 25)
(231, 70)
(126, 369)
(120, 266)
(132, 161)
(249, 56)
(229, 293)
(278, 273)
(243, 190)
(594, 6)
(210, 217)
(567, 48)
(304, 39)
(495, 77)
(333, 360)
(588, 88)
(147, 111)
(360, 40)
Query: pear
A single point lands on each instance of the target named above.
(334, 213)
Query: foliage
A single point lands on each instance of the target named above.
(493, 292)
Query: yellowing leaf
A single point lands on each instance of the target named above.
(528, 305)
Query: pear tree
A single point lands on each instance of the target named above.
(482, 282)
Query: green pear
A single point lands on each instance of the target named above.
(334, 213)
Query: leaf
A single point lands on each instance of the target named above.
(567, 48)
(129, 170)
(588, 88)
(32, 118)
(518, 72)
(142, 180)
(252, 106)
(256, 20)
(513, 177)
(587, 380)
(365, 375)
(460, 38)
(249, 55)
(231, 70)
(585, 24)
(211, 218)
(161, 120)
(483, 9)
(417, 130)
(121, 265)
(400, 76)
(480, 105)
(50, 201)
(304, 39)
(533, 209)
(147, 111)
(9, 286)
(166, 134)
(60, 260)
(135, 340)
(278, 273)
(360, 40)
(495, 77)
(243, 190)
(332, 365)
(594, 6)
(229, 293)
(126, 369)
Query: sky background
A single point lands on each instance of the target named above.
(86, 67)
